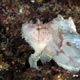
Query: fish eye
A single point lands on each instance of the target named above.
(68, 43)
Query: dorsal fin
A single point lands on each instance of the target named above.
(38, 21)
(60, 17)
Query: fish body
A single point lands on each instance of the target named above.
(57, 40)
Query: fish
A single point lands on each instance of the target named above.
(57, 40)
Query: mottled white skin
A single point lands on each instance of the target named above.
(70, 58)
(37, 45)
(62, 43)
